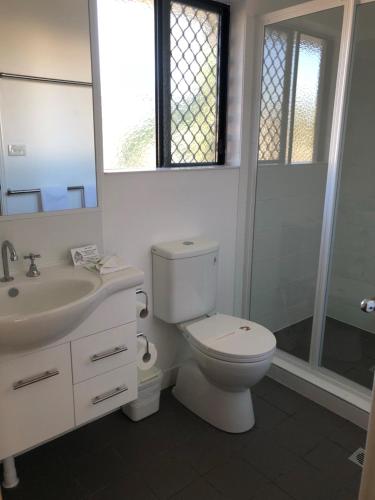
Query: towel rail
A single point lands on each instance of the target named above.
(13, 76)
(13, 192)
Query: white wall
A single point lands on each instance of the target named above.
(143, 208)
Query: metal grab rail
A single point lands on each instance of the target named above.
(42, 79)
(12, 192)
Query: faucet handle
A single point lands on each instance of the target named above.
(33, 271)
(32, 256)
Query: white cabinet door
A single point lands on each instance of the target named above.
(36, 399)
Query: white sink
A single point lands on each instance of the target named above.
(38, 311)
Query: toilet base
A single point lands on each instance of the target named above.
(229, 411)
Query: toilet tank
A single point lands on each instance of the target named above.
(184, 279)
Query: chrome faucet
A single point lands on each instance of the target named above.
(7, 245)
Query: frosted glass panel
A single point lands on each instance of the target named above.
(273, 89)
(349, 336)
(306, 99)
(291, 176)
(127, 68)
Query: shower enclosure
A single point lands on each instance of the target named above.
(313, 231)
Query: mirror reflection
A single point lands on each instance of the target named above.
(46, 107)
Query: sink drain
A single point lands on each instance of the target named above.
(13, 292)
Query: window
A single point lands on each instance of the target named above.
(163, 68)
(292, 83)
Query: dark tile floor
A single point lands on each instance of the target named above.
(297, 450)
(347, 350)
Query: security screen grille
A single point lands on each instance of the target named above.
(192, 83)
(273, 89)
(194, 66)
(290, 109)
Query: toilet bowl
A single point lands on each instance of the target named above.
(228, 356)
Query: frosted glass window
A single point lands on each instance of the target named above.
(194, 42)
(127, 72)
(307, 98)
(290, 101)
(273, 88)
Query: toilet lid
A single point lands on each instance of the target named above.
(231, 339)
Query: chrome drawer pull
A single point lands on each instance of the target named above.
(34, 379)
(110, 394)
(107, 354)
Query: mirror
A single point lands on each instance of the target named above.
(47, 149)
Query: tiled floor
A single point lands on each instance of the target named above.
(347, 350)
(297, 450)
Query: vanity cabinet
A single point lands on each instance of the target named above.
(90, 372)
(36, 399)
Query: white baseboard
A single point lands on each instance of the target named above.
(321, 396)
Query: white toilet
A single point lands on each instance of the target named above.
(228, 354)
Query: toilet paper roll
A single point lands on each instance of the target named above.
(142, 311)
(146, 365)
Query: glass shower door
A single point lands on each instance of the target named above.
(300, 61)
(348, 347)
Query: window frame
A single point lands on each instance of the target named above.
(162, 81)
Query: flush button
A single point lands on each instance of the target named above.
(188, 243)
(246, 328)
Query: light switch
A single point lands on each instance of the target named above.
(16, 149)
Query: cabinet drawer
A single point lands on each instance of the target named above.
(36, 399)
(103, 352)
(102, 394)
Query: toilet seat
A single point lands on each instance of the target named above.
(231, 339)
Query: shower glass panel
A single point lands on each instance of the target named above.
(349, 338)
(300, 59)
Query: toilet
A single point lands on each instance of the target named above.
(228, 355)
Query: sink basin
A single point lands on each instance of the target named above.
(38, 311)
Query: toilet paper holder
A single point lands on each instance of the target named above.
(147, 355)
(144, 312)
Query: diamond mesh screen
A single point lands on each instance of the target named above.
(273, 86)
(194, 66)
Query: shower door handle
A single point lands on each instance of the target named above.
(368, 305)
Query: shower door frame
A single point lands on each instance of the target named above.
(311, 370)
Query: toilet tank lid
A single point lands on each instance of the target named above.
(182, 249)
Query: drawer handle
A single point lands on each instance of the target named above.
(107, 354)
(35, 378)
(110, 394)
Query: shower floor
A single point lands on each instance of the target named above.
(347, 350)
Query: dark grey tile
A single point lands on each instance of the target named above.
(267, 456)
(319, 420)
(207, 450)
(307, 483)
(57, 486)
(167, 474)
(265, 386)
(349, 436)
(94, 471)
(199, 490)
(236, 479)
(267, 416)
(296, 436)
(124, 488)
(270, 492)
(288, 401)
(333, 461)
